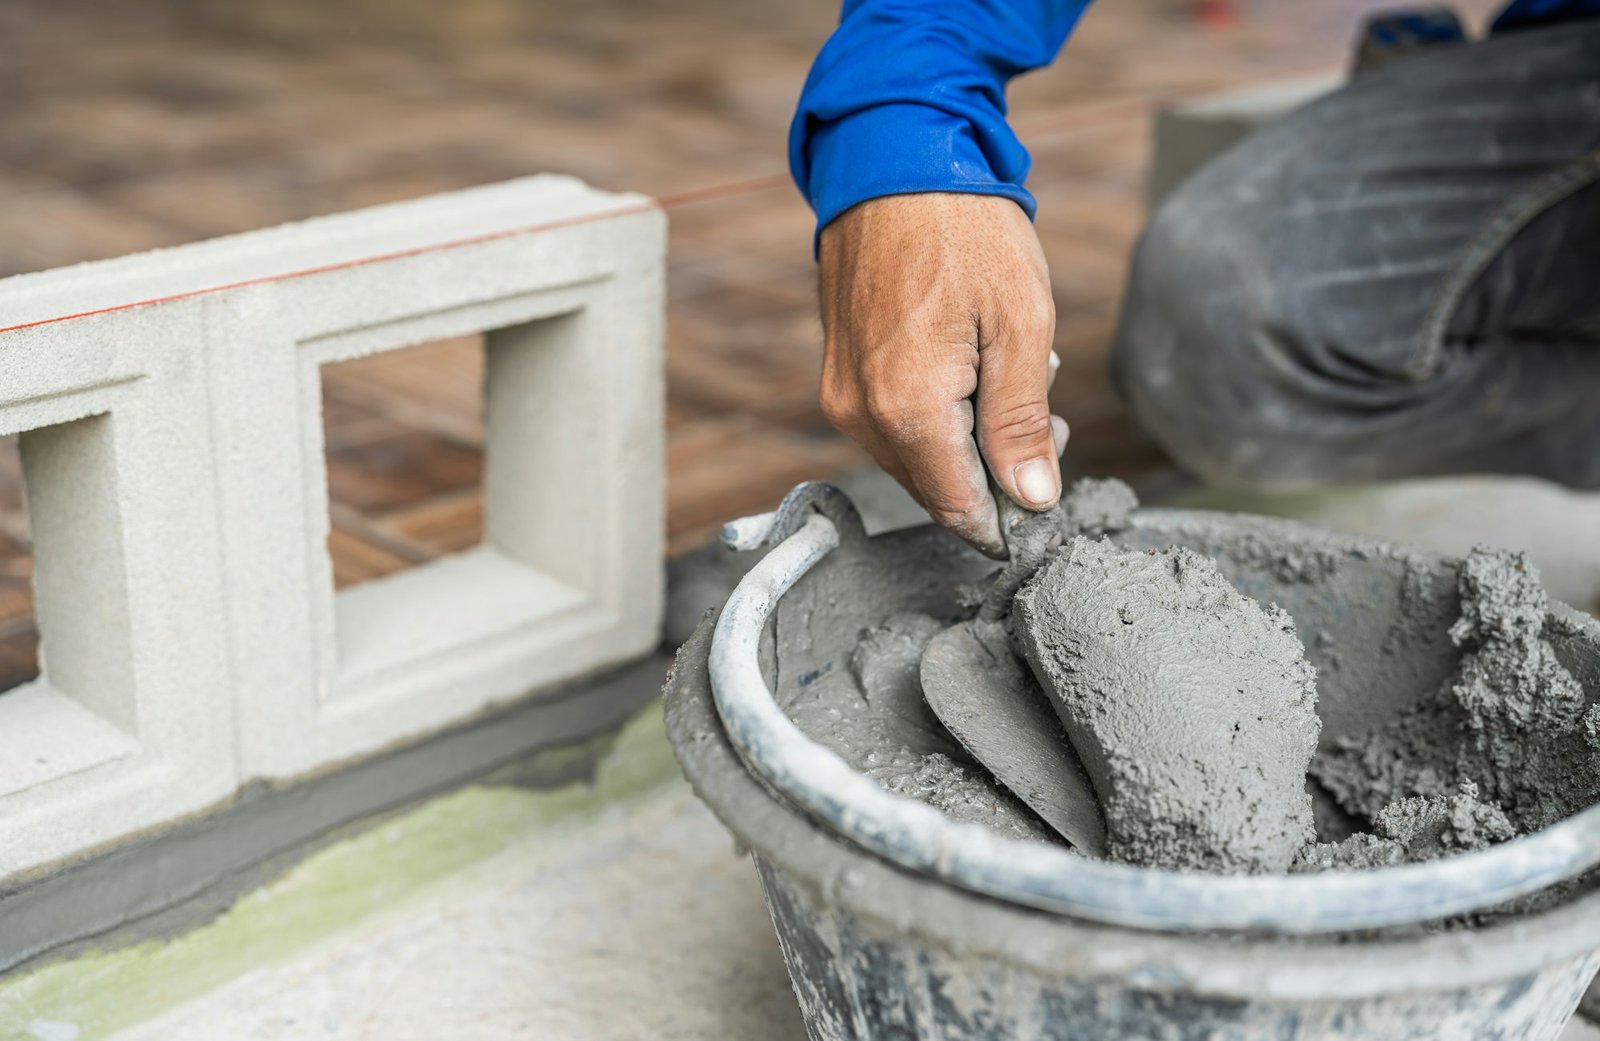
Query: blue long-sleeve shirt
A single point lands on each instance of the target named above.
(909, 95)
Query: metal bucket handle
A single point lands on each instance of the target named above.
(809, 525)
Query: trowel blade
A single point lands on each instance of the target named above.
(985, 695)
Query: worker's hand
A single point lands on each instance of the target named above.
(937, 320)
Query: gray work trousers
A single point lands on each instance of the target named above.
(1400, 278)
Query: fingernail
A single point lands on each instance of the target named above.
(1037, 482)
(1055, 366)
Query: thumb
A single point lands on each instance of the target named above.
(1013, 420)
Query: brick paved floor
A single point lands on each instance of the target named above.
(141, 124)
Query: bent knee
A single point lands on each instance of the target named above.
(1245, 410)
(1185, 356)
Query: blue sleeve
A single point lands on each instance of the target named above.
(909, 96)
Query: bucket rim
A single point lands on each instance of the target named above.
(816, 518)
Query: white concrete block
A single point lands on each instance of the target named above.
(129, 725)
(1188, 134)
(192, 639)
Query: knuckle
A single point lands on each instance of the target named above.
(841, 407)
(959, 499)
(843, 415)
(960, 509)
(1021, 423)
(1036, 319)
(891, 409)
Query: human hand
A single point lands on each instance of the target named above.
(937, 322)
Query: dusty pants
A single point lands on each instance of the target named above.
(1400, 278)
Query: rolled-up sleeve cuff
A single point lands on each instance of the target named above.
(898, 149)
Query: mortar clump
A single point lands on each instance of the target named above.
(1416, 829)
(1191, 706)
(1512, 721)
(1529, 745)
(1093, 506)
(1097, 506)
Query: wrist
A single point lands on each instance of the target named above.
(899, 149)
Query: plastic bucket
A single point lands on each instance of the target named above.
(876, 951)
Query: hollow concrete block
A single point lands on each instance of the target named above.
(170, 403)
(130, 723)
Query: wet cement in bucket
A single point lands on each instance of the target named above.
(1193, 708)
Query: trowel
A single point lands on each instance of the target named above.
(985, 694)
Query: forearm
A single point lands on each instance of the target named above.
(936, 305)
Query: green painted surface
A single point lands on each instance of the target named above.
(334, 888)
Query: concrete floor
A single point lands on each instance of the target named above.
(647, 924)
